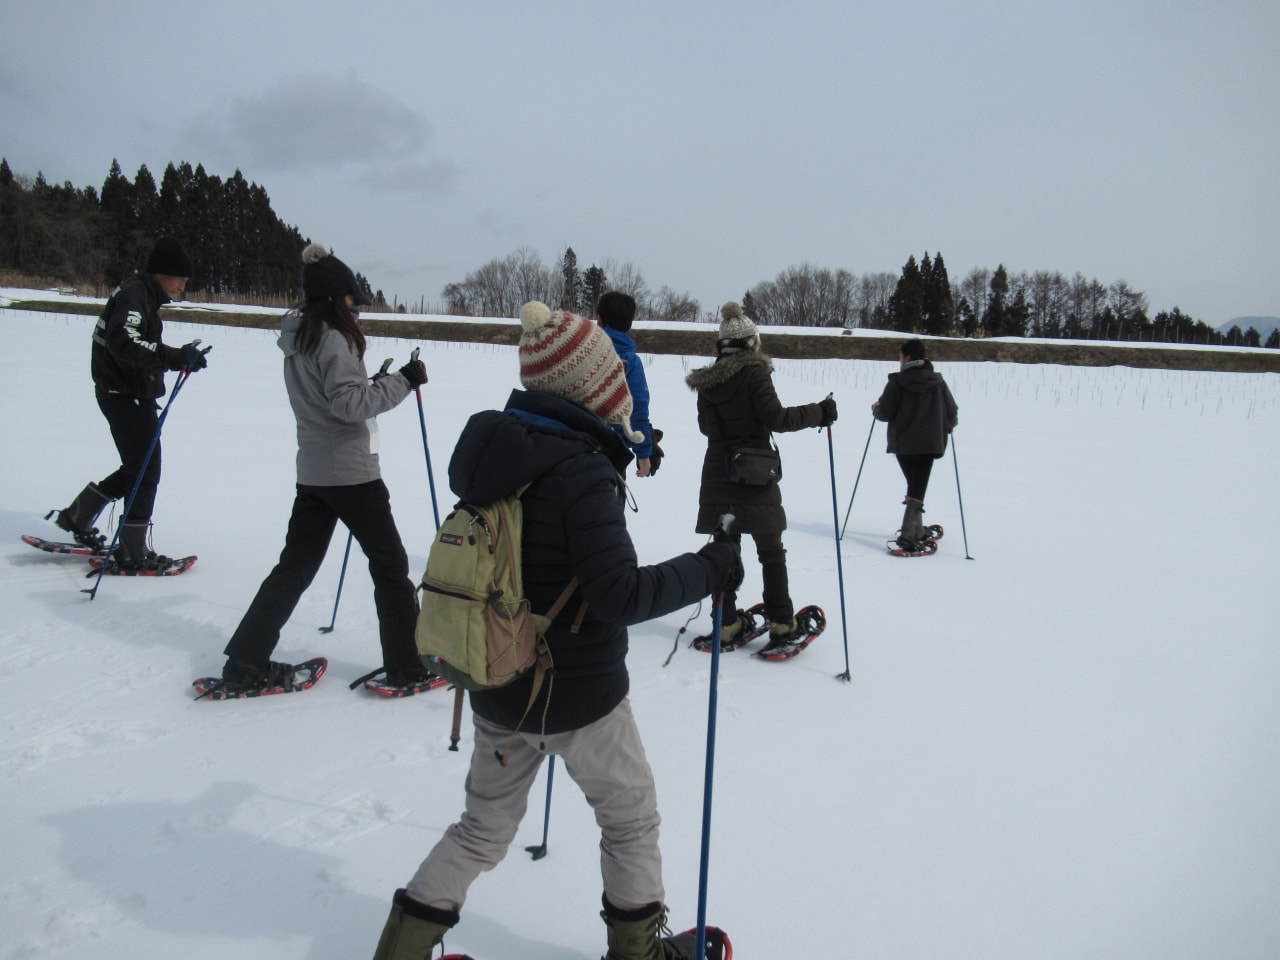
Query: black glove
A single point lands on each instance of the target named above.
(193, 357)
(655, 458)
(726, 555)
(828, 405)
(415, 371)
(383, 371)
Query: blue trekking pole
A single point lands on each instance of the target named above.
(422, 420)
(540, 850)
(337, 597)
(964, 532)
(840, 529)
(717, 621)
(835, 519)
(341, 577)
(183, 374)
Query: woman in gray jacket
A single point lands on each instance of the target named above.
(334, 402)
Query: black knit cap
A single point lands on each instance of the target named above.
(170, 258)
(324, 275)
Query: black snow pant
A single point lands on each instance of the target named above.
(916, 467)
(365, 508)
(773, 563)
(133, 422)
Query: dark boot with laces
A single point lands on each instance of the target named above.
(133, 551)
(78, 518)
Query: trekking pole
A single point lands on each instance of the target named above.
(963, 531)
(183, 374)
(341, 577)
(717, 621)
(840, 532)
(422, 420)
(835, 519)
(382, 372)
(540, 850)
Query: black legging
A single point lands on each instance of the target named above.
(133, 423)
(365, 508)
(916, 467)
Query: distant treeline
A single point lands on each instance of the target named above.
(921, 300)
(242, 249)
(79, 237)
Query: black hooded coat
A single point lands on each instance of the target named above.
(574, 525)
(920, 411)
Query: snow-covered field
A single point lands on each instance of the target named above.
(1066, 747)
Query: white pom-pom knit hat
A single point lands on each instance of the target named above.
(567, 355)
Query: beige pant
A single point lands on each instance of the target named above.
(606, 759)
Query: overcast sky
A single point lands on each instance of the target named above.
(710, 144)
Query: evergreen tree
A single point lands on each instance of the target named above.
(594, 286)
(993, 319)
(1273, 340)
(937, 305)
(907, 303)
(571, 293)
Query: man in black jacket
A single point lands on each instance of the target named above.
(128, 364)
(555, 438)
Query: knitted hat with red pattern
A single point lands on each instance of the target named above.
(568, 356)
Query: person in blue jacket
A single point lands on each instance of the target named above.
(615, 314)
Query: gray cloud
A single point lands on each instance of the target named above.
(319, 122)
(432, 178)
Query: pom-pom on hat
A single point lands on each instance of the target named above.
(324, 275)
(170, 258)
(737, 331)
(567, 355)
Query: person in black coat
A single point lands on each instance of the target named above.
(556, 437)
(921, 413)
(128, 362)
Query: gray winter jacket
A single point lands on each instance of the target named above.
(920, 411)
(335, 403)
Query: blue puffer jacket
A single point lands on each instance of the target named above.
(574, 525)
(625, 347)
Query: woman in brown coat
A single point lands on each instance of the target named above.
(738, 407)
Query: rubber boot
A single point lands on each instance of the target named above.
(912, 532)
(132, 551)
(78, 518)
(635, 934)
(777, 593)
(413, 929)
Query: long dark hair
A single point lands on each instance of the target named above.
(325, 312)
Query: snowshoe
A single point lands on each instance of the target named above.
(278, 678)
(154, 565)
(684, 946)
(810, 621)
(53, 546)
(907, 548)
(400, 683)
(751, 624)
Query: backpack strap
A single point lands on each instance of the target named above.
(543, 663)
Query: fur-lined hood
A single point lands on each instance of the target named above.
(725, 369)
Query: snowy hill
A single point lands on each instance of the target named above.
(1264, 325)
(1064, 747)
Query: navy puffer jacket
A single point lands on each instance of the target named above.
(574, 525)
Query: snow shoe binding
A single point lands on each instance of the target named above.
(915, 539)
(240, 680)
(738, 631)
(133, 556)
(786, 643)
